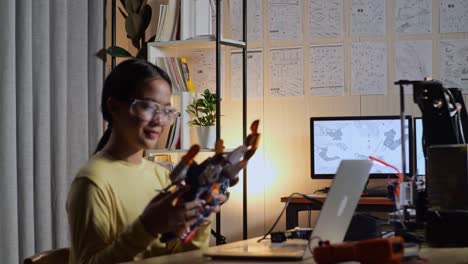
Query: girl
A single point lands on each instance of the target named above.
(113, 213)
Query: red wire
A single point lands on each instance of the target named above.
(399, 174)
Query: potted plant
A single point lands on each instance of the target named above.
(137, 15)
(203, 115)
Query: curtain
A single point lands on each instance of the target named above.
(50, 122)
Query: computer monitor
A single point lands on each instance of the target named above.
(334, 139)
(420, 160)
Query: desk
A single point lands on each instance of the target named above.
(196, 257)
(434, 255)
(366, 204)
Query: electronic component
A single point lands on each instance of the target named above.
(297, 233)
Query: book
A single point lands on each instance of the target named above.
(168, 27)
(196, 18)
(176, 27)
(175, 137)
(174, 68)
(178, 79)
(180, 74)
(187, 77)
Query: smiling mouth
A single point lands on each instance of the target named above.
(151, 134)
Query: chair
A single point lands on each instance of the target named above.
(55, 256)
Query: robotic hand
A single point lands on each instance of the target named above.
(211, 177)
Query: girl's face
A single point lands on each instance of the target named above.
(140, 132)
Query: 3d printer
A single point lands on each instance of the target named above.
(445, 124)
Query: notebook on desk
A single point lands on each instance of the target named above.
(332, 224)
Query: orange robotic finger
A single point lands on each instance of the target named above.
(254, 126)
(180, 171)
(219, 147)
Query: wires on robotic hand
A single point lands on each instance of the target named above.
(284, 209)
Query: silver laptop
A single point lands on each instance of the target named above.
(332, 224)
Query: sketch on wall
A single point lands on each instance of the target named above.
(286, 72)
(368, 68)
(326, 18)
(367, 17)
(202, 65)
(254, 19)
(326, 70)
(285, 19)
(254, 74)
(453, 16)
(454, 64)
(413, 16)
(413, 60)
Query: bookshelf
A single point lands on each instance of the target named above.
(183, 48)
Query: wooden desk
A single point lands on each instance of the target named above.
(366, 204)
(196, 257)
(434, 255)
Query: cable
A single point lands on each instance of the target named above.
(460, 125)
(284, 209)
(323, 190)
(396, 193)
(456, 115)
(399, 173)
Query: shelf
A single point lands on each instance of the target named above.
(185, 48)
(204, 41)
(180, 48)
(201, 42)
(233, 43)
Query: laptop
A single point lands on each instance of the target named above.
(332, 224)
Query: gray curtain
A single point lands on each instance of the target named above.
(50, 83)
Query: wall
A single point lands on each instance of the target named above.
(282, 164)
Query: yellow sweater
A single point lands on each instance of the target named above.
(104, 204)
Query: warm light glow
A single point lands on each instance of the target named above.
(261, 174)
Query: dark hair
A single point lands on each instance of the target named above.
(123, 83)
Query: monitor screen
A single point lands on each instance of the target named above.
(336, 138)
(418, 139)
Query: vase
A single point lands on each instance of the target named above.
(206, 136)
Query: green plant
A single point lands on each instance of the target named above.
(203, 110)
(137, 14)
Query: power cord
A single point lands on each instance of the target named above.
(284, 209)
(323, 190)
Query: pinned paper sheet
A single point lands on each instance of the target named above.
(254, 19)
(369, 68)
(367, 17)
(286, 72)
(254, 74)
(285, 18)
(326, 70)
(454, 64)
(413, 60)
(453, 16)
(413, 16)
(202, 65)
(326, 18)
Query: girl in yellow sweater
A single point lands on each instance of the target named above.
(114, 211)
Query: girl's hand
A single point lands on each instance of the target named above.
(220, 200)
(161, 215)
